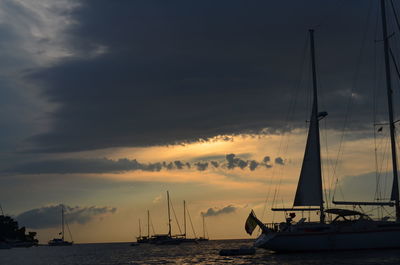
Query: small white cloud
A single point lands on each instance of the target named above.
(157, 199)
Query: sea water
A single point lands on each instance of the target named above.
(203, 253)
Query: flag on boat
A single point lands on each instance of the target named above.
(251, 223)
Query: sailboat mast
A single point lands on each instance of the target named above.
(169, 216)
(184, 218)
(148, 224)
(395, 187)
(204, 228)
(140, 229)
(62, 221)
(315, 112)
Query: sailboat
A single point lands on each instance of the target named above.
(61, 241)
(166, 239)
(185, 239)
(203, 238)
(350, 229)
(144, 239)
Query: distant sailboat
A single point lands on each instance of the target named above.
(204, 237)
(166, 239)
(61, 241)
(185, 239)
(144, 239)
(350, 229)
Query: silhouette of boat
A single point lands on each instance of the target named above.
(61, 241)
(203, 238)
(350, 229)
(144, 239)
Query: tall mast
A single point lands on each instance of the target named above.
(148, 224)
(204, 227)
(395, 187)
(315, 112)
(169, 216)
(184, 218)
(140, 229)
(62, 221)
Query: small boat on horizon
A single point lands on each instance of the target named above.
(204, 237)
(61, 241)
(144, 239)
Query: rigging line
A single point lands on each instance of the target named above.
(69, 231)
(394, 62)
(387, 168)
(191, 223)
(327, 194)
(350, 100)
(326, 178)
(383, 159)
(176, 219)
(152, 226)
(286, 146)
(395, 14)
(374, 110)
(378, 69)
(391, 214)
(396, 18)
(289, 117)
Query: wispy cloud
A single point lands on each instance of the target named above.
(50, 216)
(157, 199)
(219, 211)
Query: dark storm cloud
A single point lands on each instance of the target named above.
(180, 71)
(253, 165)
(179, 164)
(201, 166)
(50, 216)
(217, 211)
(95, 165)
(105, 165)
(266, 161)
(234, 161)
(214, 164)
(279, 161)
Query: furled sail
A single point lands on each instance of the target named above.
(309, 188)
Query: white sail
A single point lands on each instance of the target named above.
(309, 188)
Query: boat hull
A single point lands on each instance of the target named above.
(59, 242)
(312, 241)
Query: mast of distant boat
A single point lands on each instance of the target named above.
(62, 222)
(184, 218)
(395, 187)
(169, 216)
(204, 227)
(148, 224)
(140, 229)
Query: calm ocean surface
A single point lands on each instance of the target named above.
(203, 253)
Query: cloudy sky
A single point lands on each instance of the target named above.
(106, 105)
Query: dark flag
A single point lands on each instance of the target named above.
(251, 223)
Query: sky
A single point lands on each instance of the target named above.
(106, 105)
